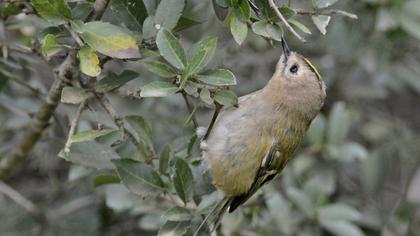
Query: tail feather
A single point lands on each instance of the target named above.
(215, 215)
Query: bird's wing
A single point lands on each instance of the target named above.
(267, 171)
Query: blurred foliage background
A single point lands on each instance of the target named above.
(356, 174)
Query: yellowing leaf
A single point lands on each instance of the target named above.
(89, 61)
(110, 40)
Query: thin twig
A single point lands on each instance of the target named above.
(73, 34)
(73, 126)
(190, 110)
(290, 28)
(327, 12)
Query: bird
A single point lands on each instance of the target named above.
(248, 145)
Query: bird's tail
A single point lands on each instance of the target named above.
(215, 215)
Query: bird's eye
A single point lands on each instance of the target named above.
(294, 69)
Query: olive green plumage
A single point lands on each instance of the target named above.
(252, 143)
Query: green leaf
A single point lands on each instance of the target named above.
(159, 68)
(177, 213)
(338, 124)
(287, 12)
(113, 81)
(91, 154)
(118, 13)
(100, 180)
(274, 31)
(208, 45)
(196, 64)
(164, 158)
(158, 89)
(191, 88)
(221, 11)
(168, 13)
(226, 98)
(260, 28)
(185, 23)
(217, 77)
(149, 28)
(231, 3)
(321, 22)
(238, 29)
(171, 49)
(205, 96)
(53, 11)
(338, 212)
(183, 180)
(142, 129)
(342, 228)
(110, 40)
(323, 3)
(49, 46)
(89, 61)
(302, 201)
(300, 26)
(174, 228)
(242, 11)
(89, 135)
(139, 177)
(74, 95)
(82, 10)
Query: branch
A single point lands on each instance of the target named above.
(290, 28)
(73, 126)
(40, 121)
(190, 110)
(327, 12)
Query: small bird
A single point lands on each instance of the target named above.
(249, 145)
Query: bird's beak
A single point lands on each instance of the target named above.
(286, 50)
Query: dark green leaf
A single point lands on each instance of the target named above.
(105, 179)
(183, 180)
(139, 177)
(221, 11)
(168, 13)
(91, 154)
(82, 10)
(232, 3)
(118, 13)
(142, 129)
(159, 68)
(54, 11)
(226, 98)
(174, 228)
(171, 49)
(287, 12)
(242, 10)
(208, 45)
(217, 77)
(177, 214)
(89, 135)
(185, 23)
(205, 96)
(165, 156)
(158, 89)
(113, 81)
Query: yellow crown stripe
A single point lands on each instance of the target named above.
(313, 68)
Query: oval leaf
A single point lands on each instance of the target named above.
(158, 89)
(90, 134)
(321, 22)
(159, 68)
(139, 177)
(168, 13)
(238, 28)
(110, 40)
(226, 98)
(89, 61)
(183, 180)
(218, 77)
(171, 49)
